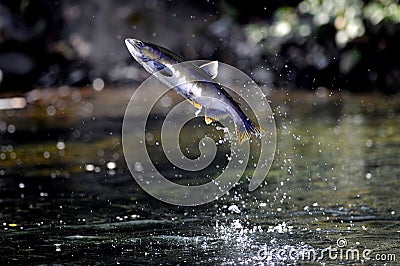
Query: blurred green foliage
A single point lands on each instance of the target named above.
(337, 44)
(349, 18)
(338, 36)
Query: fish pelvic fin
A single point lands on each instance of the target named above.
(245, 128)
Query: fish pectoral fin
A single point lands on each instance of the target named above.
(162, 69)
(208, 120)
(213, 115)
(210, 68)
(166, 72)
(195, 104)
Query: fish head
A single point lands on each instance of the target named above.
(141, 51)
(147, 54)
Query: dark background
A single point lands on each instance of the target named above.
(340, 45)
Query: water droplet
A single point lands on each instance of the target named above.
(111, 165)
(234, 208)
(11, 128)
(51, 110)
(60, 145)
(58, 249)
(138, 167)
(89, 167)
(296, 137)
(98, 84)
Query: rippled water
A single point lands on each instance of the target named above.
(68, 198)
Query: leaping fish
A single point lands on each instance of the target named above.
(199, 89)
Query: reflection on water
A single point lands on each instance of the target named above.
(67, 196)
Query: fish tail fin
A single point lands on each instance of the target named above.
(245, 128)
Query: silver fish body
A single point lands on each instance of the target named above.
(194, 83)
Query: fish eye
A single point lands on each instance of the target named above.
(139, 43)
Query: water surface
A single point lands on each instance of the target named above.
(67, 196)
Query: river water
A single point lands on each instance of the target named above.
(331, 196)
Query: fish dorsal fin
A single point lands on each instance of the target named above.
(210, 68)
(176, 57)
